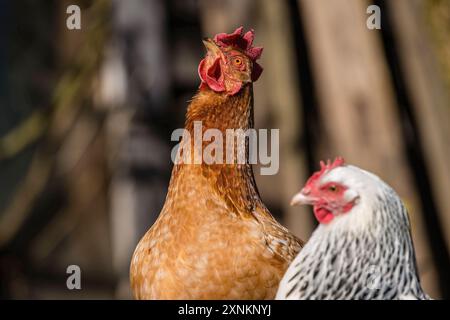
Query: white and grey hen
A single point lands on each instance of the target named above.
(362, 248)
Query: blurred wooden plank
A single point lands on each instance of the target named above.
(219, 16)
(430, 101)
(279, 91)
(357, 105)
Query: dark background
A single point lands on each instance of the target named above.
(86, 117)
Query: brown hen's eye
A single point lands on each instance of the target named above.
(238, 61)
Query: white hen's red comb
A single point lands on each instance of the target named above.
(324, 167)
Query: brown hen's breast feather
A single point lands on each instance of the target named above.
(214, 238)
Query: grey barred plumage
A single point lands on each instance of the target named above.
(366, 253)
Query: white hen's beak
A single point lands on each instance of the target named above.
(302, 198)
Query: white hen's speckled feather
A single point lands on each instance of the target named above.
(366, 253)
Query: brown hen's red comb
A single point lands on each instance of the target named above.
(339, 161)
(244, 43)
(241, 41)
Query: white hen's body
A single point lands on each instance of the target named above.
(366, 253)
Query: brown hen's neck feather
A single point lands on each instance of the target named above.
(221, 111)
(235, 182)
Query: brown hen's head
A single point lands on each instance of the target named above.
(230, 62)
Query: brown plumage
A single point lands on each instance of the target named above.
(214, 238)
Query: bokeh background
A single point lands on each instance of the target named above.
(86, 117)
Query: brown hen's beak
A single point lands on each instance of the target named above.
(211, 46)
(302, 198)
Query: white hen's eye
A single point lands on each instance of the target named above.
(332, 188)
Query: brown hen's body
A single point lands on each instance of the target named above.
(214, 238)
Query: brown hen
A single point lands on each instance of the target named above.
(214, 238)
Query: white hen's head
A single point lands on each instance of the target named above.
(345, 193)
